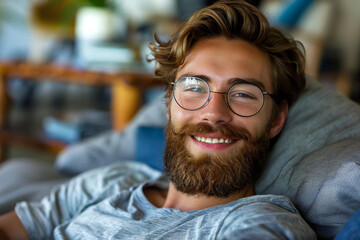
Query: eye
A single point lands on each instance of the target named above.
(195, 89)
(242, 95)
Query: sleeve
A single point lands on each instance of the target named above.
(265, 221)
(112, 146)
(69, 200)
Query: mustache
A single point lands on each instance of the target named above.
(221, 129)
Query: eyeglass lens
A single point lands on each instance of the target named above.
(244, 99)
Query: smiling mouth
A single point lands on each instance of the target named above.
(213, 140)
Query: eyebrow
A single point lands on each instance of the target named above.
(247, 80)
(231, 81)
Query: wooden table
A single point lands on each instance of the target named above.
(126, 92)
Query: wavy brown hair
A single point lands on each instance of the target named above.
(235, 20)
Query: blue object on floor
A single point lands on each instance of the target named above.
(150, 145)
(351, 230)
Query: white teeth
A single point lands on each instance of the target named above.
(213, 140)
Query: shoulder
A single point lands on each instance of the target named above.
(123, 170)
(265, 216)
(123, 174)
(100, 183)
(70, 199)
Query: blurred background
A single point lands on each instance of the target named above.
(111, 36)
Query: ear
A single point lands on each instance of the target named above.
(279, 121)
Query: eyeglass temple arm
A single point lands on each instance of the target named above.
(272, 96)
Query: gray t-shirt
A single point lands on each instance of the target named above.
(109, 203)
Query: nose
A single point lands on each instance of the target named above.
(216, 110)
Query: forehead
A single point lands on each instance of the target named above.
(221, 60)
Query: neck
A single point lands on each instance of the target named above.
(175, 199)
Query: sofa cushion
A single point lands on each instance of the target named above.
(316, 159)
(111, 147)
(26, 180)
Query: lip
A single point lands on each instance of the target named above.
(213, 142)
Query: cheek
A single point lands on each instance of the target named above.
(249, 124)
(178, 116)
(257, 124)
(260, 123)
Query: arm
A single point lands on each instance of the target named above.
(52, 214)
(11, 227)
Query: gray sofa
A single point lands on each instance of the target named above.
(315, 161)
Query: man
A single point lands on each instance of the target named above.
(230, 78)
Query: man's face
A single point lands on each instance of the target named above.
(238, 144)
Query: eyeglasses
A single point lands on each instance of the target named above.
(243, 99)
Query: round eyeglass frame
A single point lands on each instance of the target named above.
(226, 93)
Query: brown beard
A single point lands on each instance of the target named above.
(211, 174)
